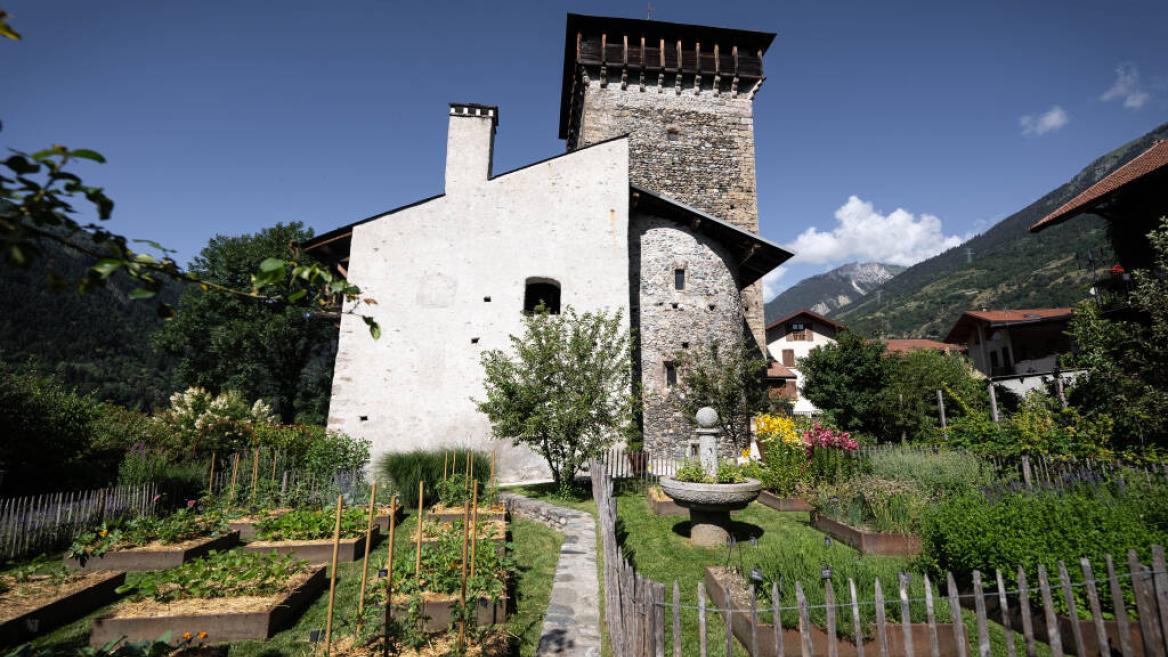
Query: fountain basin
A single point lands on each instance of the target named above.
(710, 506)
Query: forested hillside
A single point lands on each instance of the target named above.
(97, 342)
(1009, 267)
(824, 293)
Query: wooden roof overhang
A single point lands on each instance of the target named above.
(657, 46)
(754, 256)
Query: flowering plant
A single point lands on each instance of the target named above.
(819, 436)
(776, 428)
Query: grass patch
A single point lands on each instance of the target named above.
(579, 499)
(537, 551)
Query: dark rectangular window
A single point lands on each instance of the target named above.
(679, 279)
(670, 374)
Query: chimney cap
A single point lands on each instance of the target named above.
(476, 110)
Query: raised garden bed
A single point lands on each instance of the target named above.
(438, 610)
(382, 515)
(722, 585)
(865, 541)
(246, 526)
(223, 619)
(662, 504)
(787, 504)
(318, 550)
(25, 614)
(454, 513)
(494, 531)
(156, 556)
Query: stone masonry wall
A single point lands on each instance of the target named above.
(708, 311)
(692, 145)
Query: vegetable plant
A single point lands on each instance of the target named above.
(218, 575)
(182, 525)
(312, 524)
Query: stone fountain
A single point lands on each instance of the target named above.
(710, 504)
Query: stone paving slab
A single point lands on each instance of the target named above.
(571, 624)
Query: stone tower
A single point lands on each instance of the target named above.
(684, 95)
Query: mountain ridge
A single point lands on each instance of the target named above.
(824, 293)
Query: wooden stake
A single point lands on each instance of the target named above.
(462, 590)
(445, 463)
(328, 623)
(255, 473)
(211, 478)
(491, 481)
(368, 544)
(389, 570)
(234, 475)
(474, 528)
(421, 512)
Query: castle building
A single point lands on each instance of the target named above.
(652, 212)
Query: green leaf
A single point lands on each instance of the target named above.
(20, 165)
(271, 264)
(297, 295)
(88, 155)
(107, 266)
(374, 327)
(142, 293)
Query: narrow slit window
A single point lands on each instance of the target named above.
(679, 279)
(670, 374)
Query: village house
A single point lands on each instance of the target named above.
(652, 212)
(1017, 349)
(790, 338)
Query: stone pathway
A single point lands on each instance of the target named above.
(571, 625)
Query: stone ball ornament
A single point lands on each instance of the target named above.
(707, 417)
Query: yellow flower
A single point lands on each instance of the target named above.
(103, 533)
(186, 636)
(202, 636)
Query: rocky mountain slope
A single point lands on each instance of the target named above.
(826, 293)
(1005, 267)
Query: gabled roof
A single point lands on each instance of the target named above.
(905, 345)
(757, 256)
(1147, 163)
(999, 318)
(806, 313)
(777, 370)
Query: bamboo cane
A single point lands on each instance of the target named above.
(365, 564)
(211, 478)
(328, 623)
(234, 475)
(389, 569)
(255, 473)
(445, 463)
(474, 528)
(273, 468)
(492, 479)
(421, 514)
(462, 593)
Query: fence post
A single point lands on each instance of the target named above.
(941, 410)
(993, 402)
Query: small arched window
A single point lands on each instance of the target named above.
(541, 290)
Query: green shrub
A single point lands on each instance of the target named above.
(971, 532)
(401, 471)
(728, 472)
(940, 472)
(868, 502)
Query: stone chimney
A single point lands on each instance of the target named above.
(470, 144)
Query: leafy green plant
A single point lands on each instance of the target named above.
(868, 502)
(401, 472)
(312, 524)
(942, 471)
(182, 525)
(454, 491)
(218, 575)
(728, 472)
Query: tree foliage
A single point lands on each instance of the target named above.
(564, 389)
(1126, 357)
(221, 341)
(845, 380)
(727, 378)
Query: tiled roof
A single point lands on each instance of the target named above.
(1153, 159)
(1020, 315)
(905, 345)
(777, 370)
(815, 316)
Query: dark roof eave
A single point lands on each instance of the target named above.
(763, 255)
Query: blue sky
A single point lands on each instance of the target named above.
(885, 130)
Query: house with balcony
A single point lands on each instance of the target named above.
(789, 339)
(1017, 349)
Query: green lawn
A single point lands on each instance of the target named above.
(536, 550)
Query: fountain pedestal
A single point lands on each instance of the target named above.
(710, 504)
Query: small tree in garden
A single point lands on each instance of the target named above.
(727, 378)
(845, 379)
(564, 388)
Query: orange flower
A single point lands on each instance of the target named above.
(202, 636)
(103, 533)
(186, 636)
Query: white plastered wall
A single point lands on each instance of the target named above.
(430, 269)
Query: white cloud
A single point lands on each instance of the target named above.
(770, 283)
(1126, 87)
(862, 233)
(1040, 124)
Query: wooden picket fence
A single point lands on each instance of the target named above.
(1125, 613)
(637, 467)
(42, 523)
(259, 476)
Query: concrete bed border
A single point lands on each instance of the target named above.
(62, 610)
(160, 559)
(571, 624)
(221, 627)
